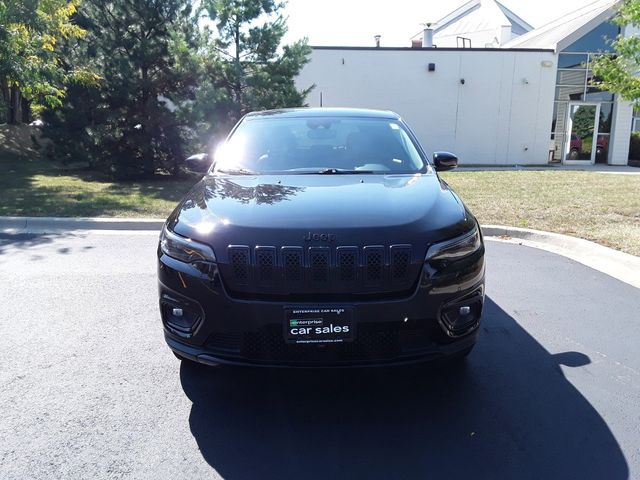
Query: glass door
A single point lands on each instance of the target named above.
(582, 130)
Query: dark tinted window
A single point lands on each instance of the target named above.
(596, 95)
(606, 112)
(572, 60)
(596, 39)
(310, 144)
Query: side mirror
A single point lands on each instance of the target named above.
(444, 161)
(198, 163)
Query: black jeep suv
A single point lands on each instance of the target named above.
(321, 237)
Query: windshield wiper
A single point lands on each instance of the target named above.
(341, 171)
(238, 171)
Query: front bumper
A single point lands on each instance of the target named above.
(250, 332)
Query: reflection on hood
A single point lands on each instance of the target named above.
(224, 188)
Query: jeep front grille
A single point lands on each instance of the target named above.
(342, 270)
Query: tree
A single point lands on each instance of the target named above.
(166, 83)
(128, 123)
(583, 120)
(255, 73)
(618, 73)
(31, 67)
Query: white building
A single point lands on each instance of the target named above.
(527, 102)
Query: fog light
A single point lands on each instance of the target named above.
(461, 316)
(180, 315)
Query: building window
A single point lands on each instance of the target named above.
(573, 84)
(596, 39)
(572, 60)
(635, 126)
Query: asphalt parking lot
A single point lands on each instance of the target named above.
(89, 390)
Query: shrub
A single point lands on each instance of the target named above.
(634, 146)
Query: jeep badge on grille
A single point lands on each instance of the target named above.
(319, 237)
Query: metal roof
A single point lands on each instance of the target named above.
(428, 50)
(486, 14)
(477, 16)
(563, 31)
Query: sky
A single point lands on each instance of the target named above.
(355, 22)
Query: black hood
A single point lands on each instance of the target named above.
(354, 209)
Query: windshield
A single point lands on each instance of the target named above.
(327, 145)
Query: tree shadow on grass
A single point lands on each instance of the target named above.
(161, 187)
(510, 413)
(68, 192)
(31, 184)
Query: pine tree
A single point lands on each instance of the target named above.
(127, 123)
(165, 83)
(255, 72)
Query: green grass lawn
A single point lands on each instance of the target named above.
(604, 208)
(39, 188)
(601, 207)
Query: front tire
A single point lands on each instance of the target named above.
(574, 154)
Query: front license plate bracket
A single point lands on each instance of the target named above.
(318, 325)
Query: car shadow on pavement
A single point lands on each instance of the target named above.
(509, 412)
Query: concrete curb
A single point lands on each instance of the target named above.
(620, 265)
(42, 225)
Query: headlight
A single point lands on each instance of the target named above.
(184, 249)
(456, 248)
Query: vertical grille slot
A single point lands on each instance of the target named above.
(239, 260)
(400, 261)
(347, 262)
(292, 263)
(319, 260)
(265, 264)
(374, 264)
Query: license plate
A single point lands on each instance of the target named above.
(318, 325)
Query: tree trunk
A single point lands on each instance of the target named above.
(26, 110)
(148, 167)
(6, 96)
(14, 105)
(238, 67)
